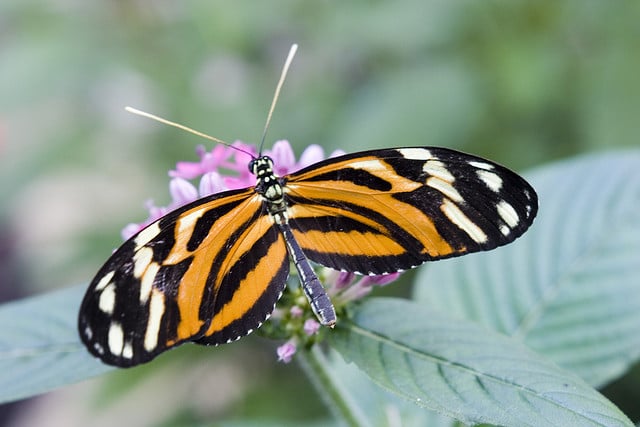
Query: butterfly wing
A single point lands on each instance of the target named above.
(198, 274)
(381, 211)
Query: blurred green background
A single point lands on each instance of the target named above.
(520, 82)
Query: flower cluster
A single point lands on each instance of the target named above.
(225, 168)
(342, 287)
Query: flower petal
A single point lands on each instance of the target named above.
(182, 192)
(344, 279)
(130, 230)
(283, 158)
(381, 280)
(211, 183)
(312, 154)
(336, 153)
(186, 170)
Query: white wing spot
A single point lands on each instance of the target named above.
(415, 153)
(88, 332)
(445, 188)
(505, 230)
(127, 351)
(146, 283)
(370, 165)
(115, 339)
(508, 214)
(156, 310)
(437, 169)
(141, 261)
(187, 222)
(457, 217)
(106, 279)
(481, 165)
(491, 179)
(107, 301)
(146, 235)
(98, 348)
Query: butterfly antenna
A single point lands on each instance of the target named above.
(185, 128)
(283, 75)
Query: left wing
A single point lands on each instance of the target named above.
(208, 272)
(381, 211)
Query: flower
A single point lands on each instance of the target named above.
(311, 327)
(296, 311)
(356, 289)
(286, 351)
(221, 169)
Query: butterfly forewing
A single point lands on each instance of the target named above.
(183, 274)
(382, 211)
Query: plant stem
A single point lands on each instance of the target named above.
(317, 368)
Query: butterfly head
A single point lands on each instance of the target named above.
(267, 184)
(261, 166)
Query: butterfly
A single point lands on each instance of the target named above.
(212, 271)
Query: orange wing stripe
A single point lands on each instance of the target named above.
(250, 289)
(403, 215)
(349, 243)
(192, 285)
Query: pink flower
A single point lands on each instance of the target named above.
(311, 327)
(223, 168)
(211, 183)
(345, 288)
(182, 192)
(220, 157)
(286, 351)
(285, 161)
(381, 280)
(345, 278)
(296, 311)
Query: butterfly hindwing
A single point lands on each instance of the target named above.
(190, 276)
(249, 290)
(381, 211)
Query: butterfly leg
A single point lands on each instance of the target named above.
(313, 289)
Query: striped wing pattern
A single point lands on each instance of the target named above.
(208, 272)
(212, 271)
(387, 210)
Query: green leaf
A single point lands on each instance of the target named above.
(39, 345)
(464, 371)
(355, 400)
(569, 287)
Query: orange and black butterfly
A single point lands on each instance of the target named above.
(212, 271)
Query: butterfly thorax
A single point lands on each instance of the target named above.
(268, 185)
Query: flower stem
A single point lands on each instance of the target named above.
(317, 368)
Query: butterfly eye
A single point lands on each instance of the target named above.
(252, 166)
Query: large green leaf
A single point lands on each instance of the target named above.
(464, 371)
(569, 287)
(39, 345)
